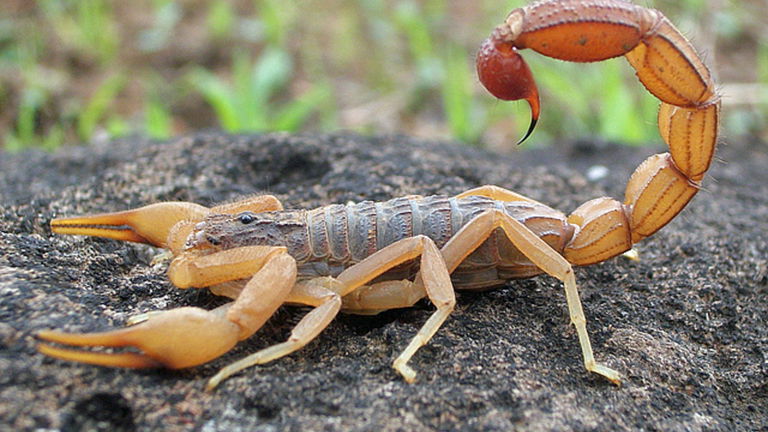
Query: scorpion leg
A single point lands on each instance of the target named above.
(256, 204)
(189, 336)
(326, 293)
(474, 233)
(381, 296)
(319, 292)
(365, 300)
(436, 281)
(496, 193)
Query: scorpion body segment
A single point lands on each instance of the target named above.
(327, 240)
(368, 257)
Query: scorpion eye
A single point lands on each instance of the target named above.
(246, 217)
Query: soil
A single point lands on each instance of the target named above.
(686, 325)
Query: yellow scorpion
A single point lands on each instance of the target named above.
(368, 257)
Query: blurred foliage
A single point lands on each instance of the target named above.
(80, 70)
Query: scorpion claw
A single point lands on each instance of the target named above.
(176, 339)
(149, 224)
(125, 360)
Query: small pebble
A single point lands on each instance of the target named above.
(596, 172)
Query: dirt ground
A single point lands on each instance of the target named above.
(687, 325)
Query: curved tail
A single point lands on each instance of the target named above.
(666, 64)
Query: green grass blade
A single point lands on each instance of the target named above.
(295, 114)
(269, 76)
(221, 19)
(31, 101)
(250, 109)
(457, 96)
(219, 97)
(96, 108)
(158, 120)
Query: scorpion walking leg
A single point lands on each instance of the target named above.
(381, 296)
(317, 292)
(497, 193)
(433, 274)
(474, 233)
(256, 204)
(325, 294)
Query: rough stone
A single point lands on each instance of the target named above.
(686, 325)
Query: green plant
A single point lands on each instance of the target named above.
(462, 112)
(97, 107)
(87, 25)
(249, 102)
(270, 64)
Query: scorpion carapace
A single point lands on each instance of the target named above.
(368, 257)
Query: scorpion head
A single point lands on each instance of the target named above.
(226, 231)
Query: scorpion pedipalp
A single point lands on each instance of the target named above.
(175, 339)
(149, 224)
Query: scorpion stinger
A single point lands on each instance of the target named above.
(505, 74)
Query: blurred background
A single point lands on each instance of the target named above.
(80, 71)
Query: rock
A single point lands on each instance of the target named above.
(686, 325)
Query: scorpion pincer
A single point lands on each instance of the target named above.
(368, 257)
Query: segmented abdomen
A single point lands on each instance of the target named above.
(341, 235)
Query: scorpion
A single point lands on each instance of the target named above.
(369, 257)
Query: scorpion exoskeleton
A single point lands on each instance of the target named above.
(368, 257)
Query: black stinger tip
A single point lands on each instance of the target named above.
(530, 130)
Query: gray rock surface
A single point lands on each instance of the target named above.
(687, 325)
